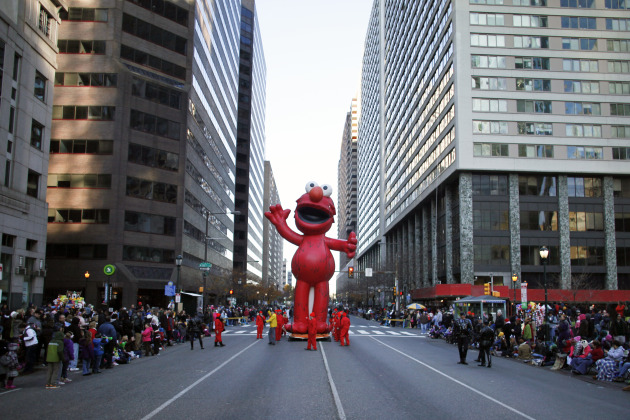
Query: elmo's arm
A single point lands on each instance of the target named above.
(278, 217)
(349, 246)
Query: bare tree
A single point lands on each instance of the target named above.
(582, 282)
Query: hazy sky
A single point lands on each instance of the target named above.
(313, 51)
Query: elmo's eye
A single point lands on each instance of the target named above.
(310, 185)
(327, 190)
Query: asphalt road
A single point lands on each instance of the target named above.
(386, 373)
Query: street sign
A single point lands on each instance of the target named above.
(169, 290)
(368, 272)
(205, 266)
(178, 298)
(109, 269)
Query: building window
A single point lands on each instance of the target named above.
(490, 127)
(11, 120)
(585, 4)
(535, 150)
(153, 124)
(583, 130)
(489, 83)
(156, 158)
(75, 146)
(621, 187)
(140, 253)
(489, 105)
(149, 223)
(587, 255)
(490, 149)
(618, 66)
(79, 180)
(618, 45)
(32, 183)
(582, 108)
(619, 88)
(156, 93)
(529, 2)
(490, 219)
(44, 22)
(40, 87)
(492, 254)
(151, 190)
(581, 86)
(533, 85)
(489, 19)
(83, 14)
(584, 152)
(488, 61)
(144, 59)
(37, 135)
(589, 66)
(538, 107)
(622, 110)
(97, 216)
(528, 21)
(76, 251)
(71, 46)
(616, 4)
(620, 131)
(86, 79)
(535, 129)
(485, 40)
(541, 186)
(154, 34)
(484, 185)
(166, 9)
(621, 153)
(539, 220)
(618, 24)
(526, 41)
(584, 187)
(582, 221)
(530, 255)
(586, 44)
(575, 22)
(75, 112)
(531, 63)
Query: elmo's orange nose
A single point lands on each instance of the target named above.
(316, 194)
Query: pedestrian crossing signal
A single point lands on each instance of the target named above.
(350, 272)
(231, 291)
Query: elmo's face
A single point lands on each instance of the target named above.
(315, 210)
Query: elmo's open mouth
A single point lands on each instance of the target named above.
(312, 215)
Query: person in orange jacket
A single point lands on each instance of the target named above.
(260, 323)
(218, 329)
(280, 319)
(312, 332)
(344, 329)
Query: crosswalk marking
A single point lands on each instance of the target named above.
(362, 332)
(240, 332)
(379, 332)
(393, 333)
(370, 330)
(407, 333)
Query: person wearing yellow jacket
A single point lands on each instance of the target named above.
(273, 323)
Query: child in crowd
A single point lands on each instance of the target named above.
(68, 355)
(99, 343)
(86, 350)
(147, 338)
(9, 363)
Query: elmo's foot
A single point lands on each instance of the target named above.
(297, 327)
(322, 328)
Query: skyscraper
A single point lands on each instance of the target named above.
(273, 243)
(28, 59)
(347, 178)
(144, 147)
(490, 128)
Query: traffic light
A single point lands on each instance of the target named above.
(350, 272)
(400, 293)
(394, 290)
(486, 289)
(496, 294)
(231, 291)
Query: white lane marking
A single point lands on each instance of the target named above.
(241, 332)
(333, 388)
(514, 410)
(362, 332)
(408, 333)
(194, 384)
(379, 332)
(8, 392)
(393, 333)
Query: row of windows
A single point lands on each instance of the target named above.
(83, 14)
(76, 112)
(79, 180)
(546, 129)
(538, 151)
(76, 146)
(166, 9)
(144, 59)
(584, 4)
(149, 156)
(78, 216)
(545, 107)
(151, 190)
(77, 251)
(154, 34)
(147, 254)
(150, 223)
(489, 185)
(542, 42)
(156, 93)
(86, 79)
(544, 85)
(73, 46)
(153, 124)
(538, 220)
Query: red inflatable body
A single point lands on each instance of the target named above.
(313, 264)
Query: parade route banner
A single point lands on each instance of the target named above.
(524, 294)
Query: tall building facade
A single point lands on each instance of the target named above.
(491, 128)
(250, 150)
(347, 178)
(273, 243)
(28, 60)
(143, 150)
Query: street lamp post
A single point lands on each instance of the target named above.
(514, 279)
(544, 255)
(178, 263)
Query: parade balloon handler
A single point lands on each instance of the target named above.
(312, 333)
(312, 264)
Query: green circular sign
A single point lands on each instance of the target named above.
(109, 269)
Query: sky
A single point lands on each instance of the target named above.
(313, 51)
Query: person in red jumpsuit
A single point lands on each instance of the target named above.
(312, 333)
(260, 323)
(280, 320)
(285, 320)
(218, 329)
(345, 329)
(332, 320)
(337, 331)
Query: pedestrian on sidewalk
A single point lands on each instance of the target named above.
(218, 329)
(53, 357)
(486, 337)
(9, 363)
(463, 331)
(86, 349)
(273, 323)
(68, 356)
(32, 348)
